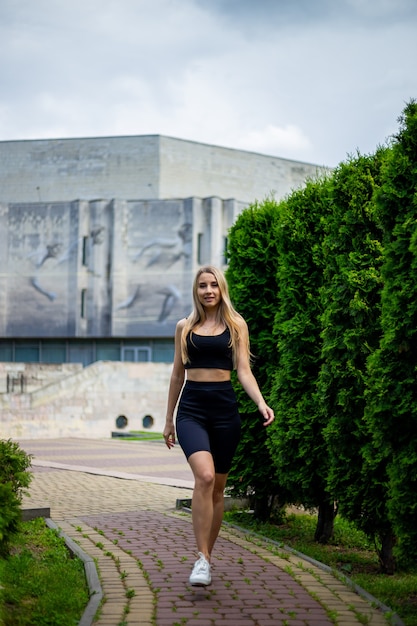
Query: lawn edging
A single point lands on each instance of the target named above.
(91, 574)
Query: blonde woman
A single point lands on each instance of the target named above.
(209, 344)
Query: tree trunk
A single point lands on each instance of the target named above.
(262, 508)
(325, 522)
(386, 557)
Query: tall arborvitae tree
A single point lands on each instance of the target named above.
(296, 439)
(350, 298)
(251, 276)
(391, 411)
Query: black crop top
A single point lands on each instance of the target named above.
(209, 351)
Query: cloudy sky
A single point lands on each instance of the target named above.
(311, 80)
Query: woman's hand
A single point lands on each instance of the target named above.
(169, 435)
(267, 413)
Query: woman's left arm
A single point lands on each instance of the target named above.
(248, 380)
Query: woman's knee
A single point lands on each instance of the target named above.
(205, 478)
(203, 469)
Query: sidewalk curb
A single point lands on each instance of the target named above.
(94, 586)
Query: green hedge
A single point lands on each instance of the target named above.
(391, 399)
(327, 281)
(251, 277)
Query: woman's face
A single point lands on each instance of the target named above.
(208, 290)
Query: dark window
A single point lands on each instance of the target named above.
(27, 352)
(85, 250)
(108, 351)
(6, 351)
(53, 352)
(83, 303)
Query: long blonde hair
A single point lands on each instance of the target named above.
(226, 313)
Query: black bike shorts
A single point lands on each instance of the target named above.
(208, 419)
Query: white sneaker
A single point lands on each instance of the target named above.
(200, 576)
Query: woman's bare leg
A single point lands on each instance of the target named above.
(218, 509)
(202, 466)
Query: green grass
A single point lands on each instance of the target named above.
(350, 552)
(43, 584)
(139, 435)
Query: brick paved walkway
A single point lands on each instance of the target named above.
(117, 500)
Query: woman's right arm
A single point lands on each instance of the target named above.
(175, 385)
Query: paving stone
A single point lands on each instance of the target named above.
(117, 500)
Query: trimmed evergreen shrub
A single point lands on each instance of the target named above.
(350, 296)
(251, 276)
(391, 408)
(14, 479)
(296, 442)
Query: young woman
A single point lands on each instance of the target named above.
(209, 344)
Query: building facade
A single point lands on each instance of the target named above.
(144, 167)
(100, 239)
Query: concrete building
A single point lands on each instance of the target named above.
(100, 239)
(148, 167)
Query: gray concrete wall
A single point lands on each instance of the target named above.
(105, 268)
(151, 266)
(39, 262)
(143, 167)
(34, 376)
(194, 169)
(53, 170)
(87, 402)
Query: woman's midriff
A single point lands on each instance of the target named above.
(207, 375)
